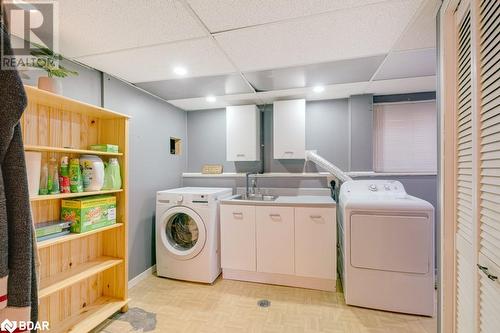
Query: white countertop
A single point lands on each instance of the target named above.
(299, 200)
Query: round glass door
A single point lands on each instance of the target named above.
(183, 233)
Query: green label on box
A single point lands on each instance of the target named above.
(89, 213)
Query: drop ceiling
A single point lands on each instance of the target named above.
(255, 51)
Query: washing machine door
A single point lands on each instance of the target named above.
(183, 232)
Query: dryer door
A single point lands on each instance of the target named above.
(183, 232)
(396, 243)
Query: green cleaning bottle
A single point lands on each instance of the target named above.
(75, 176)
(53, 179)
(112, 177)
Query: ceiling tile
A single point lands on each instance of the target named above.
(413, 63)
(201, 57)
(197, 87)
(402, 86)
(93, 26)
(220, 15)
(192, 104)
(333, 91)
(350, 33)
(343, 71)
(422, 32)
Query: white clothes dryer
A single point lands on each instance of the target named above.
(386, 241)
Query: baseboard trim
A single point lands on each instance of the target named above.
(150, 271)
(280, 279)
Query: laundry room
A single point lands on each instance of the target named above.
(250, 166)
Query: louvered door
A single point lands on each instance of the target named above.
(464, 174)
(489, 165)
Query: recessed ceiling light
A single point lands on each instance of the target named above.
(319, 89)
(211, 99)
(179, 70)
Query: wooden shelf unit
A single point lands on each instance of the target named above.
(83, 277)
(70, 195)
(69, 151)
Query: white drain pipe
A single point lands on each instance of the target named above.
(320, 161)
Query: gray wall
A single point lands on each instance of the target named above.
(326, 131)
(361, 122)
(85, 87)
(151, 166)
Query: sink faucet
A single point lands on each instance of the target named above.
(254, 183)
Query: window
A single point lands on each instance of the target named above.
(405, 137)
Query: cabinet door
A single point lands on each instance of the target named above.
(315, 242)
(238, 237)
(275, 253)
(289, 126)
(243, 133)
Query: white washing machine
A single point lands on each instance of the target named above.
(187, 233)
(386, 239)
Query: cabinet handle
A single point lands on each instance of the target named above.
(275, 216)
(315, 217)
(486, 272)
(240, 155)
(289, 152)
(238, 214)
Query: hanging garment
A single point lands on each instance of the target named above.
(18, 285)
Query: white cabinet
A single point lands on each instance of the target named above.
(275, 240)
(315, 235)
(289, 129)
(284, 245)
(243, 133)
(238, 237)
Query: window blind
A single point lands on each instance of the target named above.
(406, 137)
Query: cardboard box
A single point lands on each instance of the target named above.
(105, 147)
(89, 213)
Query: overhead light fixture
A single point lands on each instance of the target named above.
(319, 89)
(179, 70)
(211, 99)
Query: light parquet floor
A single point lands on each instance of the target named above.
(231, 306)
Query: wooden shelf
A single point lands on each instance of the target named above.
(71, 195)
(80, 298)
(69, 150)
(70, 237)
(53, 284)
(65, 103)
(90, 316)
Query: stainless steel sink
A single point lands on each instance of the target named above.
(256, 197)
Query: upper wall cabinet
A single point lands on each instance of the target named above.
(289, 126)
(243, 133)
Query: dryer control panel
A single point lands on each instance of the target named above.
(375, 187)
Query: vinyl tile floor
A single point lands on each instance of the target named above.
(163, 305)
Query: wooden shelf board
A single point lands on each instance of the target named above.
(91, 316)
(70, 237)
(47, 98)
(71, 195)
(62, 280)
(68, 150)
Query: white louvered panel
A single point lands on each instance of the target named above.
(465, 283)
(489, 242)
(489, 311)
(489, 137)
(464, 176)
